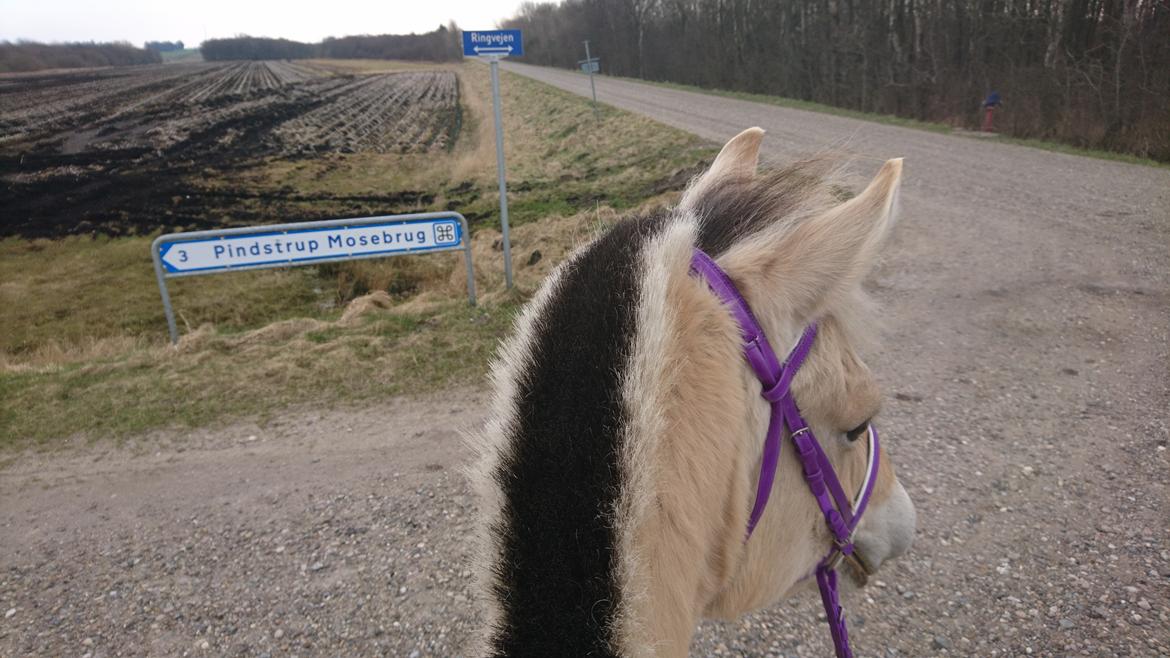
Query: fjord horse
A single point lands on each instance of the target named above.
(621, 461)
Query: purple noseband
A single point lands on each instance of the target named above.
(841, 514)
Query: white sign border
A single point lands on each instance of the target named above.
(162, 275)
(169, 245)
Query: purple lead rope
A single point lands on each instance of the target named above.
(776, 379)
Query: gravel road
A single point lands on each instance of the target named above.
(1026, 349)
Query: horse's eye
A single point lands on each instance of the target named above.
(856, 432)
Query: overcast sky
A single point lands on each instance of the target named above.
(192, 21)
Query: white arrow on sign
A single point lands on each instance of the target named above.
(493, 50)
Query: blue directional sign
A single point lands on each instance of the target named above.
(293, 247)
(499, 43)
(306, 243)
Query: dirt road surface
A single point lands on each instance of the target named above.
(1025, 356)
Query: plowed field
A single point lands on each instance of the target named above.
(109, 150)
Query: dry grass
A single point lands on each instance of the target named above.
(376, 346)
(82, 336)
(76, 292)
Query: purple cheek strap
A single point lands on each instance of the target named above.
(841, 513)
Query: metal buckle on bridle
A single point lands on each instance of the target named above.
(834, 559)
(861, 571)
(841, 550)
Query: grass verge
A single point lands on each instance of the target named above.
(214, 376)
(83, 348)
(889, 119)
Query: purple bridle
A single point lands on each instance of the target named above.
(841, 514)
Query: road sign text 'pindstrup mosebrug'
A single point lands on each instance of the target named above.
(258, 247)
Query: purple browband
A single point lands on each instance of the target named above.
(776, 379)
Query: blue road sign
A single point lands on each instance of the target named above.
(500, 43)
(293, 246)
(306, 243)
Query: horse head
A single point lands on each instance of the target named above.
(619, 468)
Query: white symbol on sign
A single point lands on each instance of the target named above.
(445, 233)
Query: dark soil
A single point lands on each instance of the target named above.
(101, 172)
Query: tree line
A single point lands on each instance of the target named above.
(439, 45)
(1093, 73)
(164, 46)
(245, 47)
(32, 56)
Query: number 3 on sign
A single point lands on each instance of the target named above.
(182, 255)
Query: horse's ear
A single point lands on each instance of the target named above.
(828, 254)
(738, 159)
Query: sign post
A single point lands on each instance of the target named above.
(495, 45)
(306, 243)
(591, 65)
